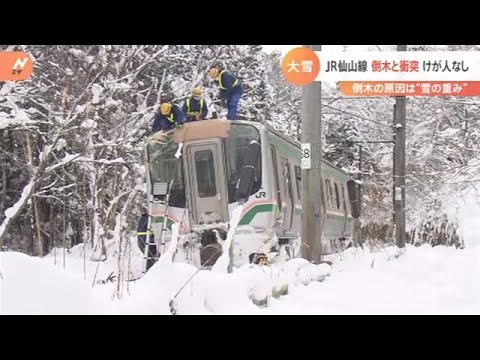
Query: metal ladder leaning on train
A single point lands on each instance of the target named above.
(199, 172)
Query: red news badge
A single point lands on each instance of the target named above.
(15, 65)
(301, 66)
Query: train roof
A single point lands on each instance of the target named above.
(198, 130)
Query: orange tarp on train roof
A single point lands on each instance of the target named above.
(204, 129)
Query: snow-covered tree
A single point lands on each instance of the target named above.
(75, 133)
(284, 99)
(72, 136)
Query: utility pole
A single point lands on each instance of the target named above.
(311, 173)
(357, 226)
(393, 161)
(399, 157)
(360, 175)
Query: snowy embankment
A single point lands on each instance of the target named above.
(31, 285)
(425, 280)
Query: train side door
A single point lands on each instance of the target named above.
(206, 182)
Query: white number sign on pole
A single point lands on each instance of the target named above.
(306, 156)
(398, 193)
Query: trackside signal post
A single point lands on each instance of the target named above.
(311, 172)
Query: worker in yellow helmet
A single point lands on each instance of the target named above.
(195, 107)
(230, 89)
(168, 117)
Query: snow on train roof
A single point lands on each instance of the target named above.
(197, 130)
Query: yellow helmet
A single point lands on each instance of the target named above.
(214, 73)
(197, 92)
(165, 108)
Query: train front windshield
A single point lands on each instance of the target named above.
(164, 166)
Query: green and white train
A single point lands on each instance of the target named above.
(224, 164)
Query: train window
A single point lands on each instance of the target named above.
(163, 167)
(236, 146)
(344, 201)
(275, 177)
(333, 197)
(328, 193)
(205, 169)
(287, 178)
(331, 190)
(337, 196)
(298, 178)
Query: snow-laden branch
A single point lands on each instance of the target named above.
(66, 160)
(12, 212)
(58, 190)
(103, 161)
(48, 197)
(133, 74)
(115, 200)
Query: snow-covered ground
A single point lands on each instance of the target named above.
(424, 280)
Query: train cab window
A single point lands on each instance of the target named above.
(236, 145)
(164, 167)
(205, 169)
